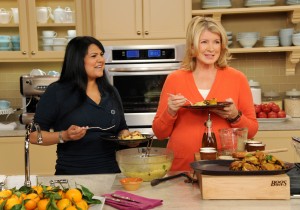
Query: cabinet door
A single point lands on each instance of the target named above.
(31, 44)
(114, 19)
(166, 19)
(38, 49)
(15, 29)
(140, 19)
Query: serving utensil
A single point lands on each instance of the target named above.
(191, 103)
(103, 129)
(124, 198)
(155, 182)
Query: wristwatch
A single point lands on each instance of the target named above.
(236, 118)
(60, 139)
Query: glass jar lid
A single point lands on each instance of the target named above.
(293, 92)
(253, 83)
(271, 94)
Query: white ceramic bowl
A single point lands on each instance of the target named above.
(296, 41)
(247, 42)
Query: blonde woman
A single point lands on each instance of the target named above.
(205, 74)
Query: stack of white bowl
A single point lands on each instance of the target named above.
(210, 4)
(292, 2)
(48, 37)
(271, 41)
(259, 3)
(248, 39)
(296, 39)
(229, 37)
(285, 36)
(59, 44)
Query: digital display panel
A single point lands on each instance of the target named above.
(154, 53)
(132, 54)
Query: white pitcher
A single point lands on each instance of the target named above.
(15, 13)
(43, 14)
(5, 16)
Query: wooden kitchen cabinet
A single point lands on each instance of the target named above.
(12, 157)
(280, 139)
(31, 46)
(267, 20)
(140, 19)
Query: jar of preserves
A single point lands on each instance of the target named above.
(292, 103)
(273, 96)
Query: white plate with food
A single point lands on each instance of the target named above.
(273, 120)
(98, 206)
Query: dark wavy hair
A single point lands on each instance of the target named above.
(73, 71)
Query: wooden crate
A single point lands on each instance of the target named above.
(244, 187)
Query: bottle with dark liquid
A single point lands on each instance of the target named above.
(209, 138)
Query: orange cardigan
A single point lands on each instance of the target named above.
(185, 130)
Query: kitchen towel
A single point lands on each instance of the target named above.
(122, 204)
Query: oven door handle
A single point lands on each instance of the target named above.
(139, 69)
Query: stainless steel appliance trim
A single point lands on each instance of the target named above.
(139, 119)
(179, 52)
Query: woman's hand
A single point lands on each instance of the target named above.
(175, 102)
(74, 133)
(228, 112)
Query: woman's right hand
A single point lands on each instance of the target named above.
(74, 133)
(175, 102)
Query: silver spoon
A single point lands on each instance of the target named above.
(184, 97)
(103, 129)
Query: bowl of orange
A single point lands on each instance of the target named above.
(131, 183)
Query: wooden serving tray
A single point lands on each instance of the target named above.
(258, 187)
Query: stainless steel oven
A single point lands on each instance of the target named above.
(139, 72)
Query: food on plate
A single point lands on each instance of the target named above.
(257, 162)
(42, 197)
(132, 136)
(212, 101)
(269, 110)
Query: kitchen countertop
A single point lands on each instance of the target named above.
(289, 124)
(175, 193)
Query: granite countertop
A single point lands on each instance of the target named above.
(276, 125)
(175, 193)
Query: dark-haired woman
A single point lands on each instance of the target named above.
(81, 98)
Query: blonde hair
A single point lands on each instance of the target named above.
(195, 28)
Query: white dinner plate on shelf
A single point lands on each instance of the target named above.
(273, 120)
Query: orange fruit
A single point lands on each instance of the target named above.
(82, 204)
(63, 204)
(19, 198)
(71, 208)
(74, 195)
(39, 190)
(30, 204)
(5, 193)
(42, 204)
(11, 202)
(61, 193)
(33, 196)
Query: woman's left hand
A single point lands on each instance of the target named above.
(228, 112)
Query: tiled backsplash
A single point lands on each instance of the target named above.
(266, 68)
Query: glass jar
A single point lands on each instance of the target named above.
(273, 96)
(292, 103)
(256, 91)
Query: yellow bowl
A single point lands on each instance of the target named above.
(130, 183)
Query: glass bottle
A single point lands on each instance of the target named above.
(209, 138)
